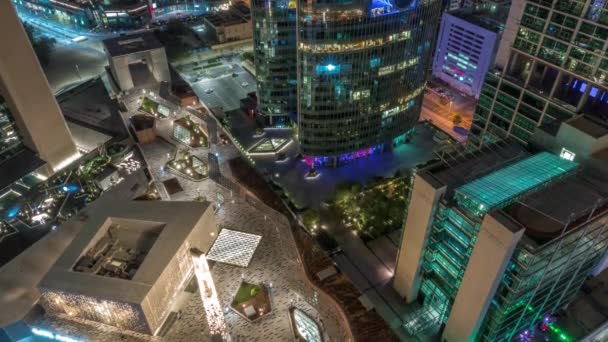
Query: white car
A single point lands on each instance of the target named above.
(244, 84)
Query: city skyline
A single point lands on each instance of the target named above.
(182, 170)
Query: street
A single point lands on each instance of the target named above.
(441, 115)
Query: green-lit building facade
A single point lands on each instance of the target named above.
(552, 64)
(274, 35)
(361, 73)
(499, 239)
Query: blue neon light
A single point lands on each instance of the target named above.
(329, 69)
(70, 188)
(12, 212)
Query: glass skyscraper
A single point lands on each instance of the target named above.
(552, 65)
(361, 73)
(498, 239)
(274, 34)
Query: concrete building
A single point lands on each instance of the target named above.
(128, 262)
(231, 25)
(467, 44)
(34, 137)
(137, 60)
(498, 239)
(551, 66)
(362, 68)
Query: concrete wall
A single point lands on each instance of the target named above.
(509, 34)
(26, 90)
(120, 71)
(496, 241)
(156, 61)
(425, 195)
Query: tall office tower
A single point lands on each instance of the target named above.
(32, 128)
(362, 67)
(551, 65)
(497, 239)
(274, 36)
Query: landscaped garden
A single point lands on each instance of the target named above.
(149, 106)
(251, 301)
(188, 132)
(375, 210)
(187, 165)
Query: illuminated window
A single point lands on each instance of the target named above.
(568, 155)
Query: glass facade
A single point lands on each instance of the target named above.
(557, 68)
(10, 142)
(274, 34)
(361, 72)
(539, 280)
(543, 274)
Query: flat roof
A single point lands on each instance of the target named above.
(179, 218)
(589, 126)
(499, 187)
(133, 43)
(490, 16)
(463, 168)
(546, 212)
(225, 19)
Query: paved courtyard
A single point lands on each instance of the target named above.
(275, 263)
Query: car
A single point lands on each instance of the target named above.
(244, 84)
(208, 91)
(234, 74)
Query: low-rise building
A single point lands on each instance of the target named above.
(231, 25)
(128, 262)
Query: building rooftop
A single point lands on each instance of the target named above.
(462, 168)
(490, 16)
(225, 19)
(589, 126)
(499, 187)
(561, 205)
(133, 241)
(133, 43)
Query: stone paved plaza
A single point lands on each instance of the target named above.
(275, 263)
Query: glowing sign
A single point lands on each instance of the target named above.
(566, 154)
(53, 336)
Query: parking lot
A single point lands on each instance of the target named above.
(224, 85)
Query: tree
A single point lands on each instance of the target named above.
(43, 46)
(456, 119)
(310, 218)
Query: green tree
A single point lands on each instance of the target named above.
(310, 218)
(457, 119)
(43, 46)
